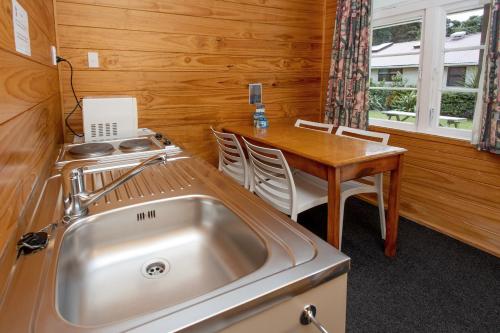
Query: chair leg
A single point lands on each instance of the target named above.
(381, 211)
(341, 219)
(381, 208)
(249, 175)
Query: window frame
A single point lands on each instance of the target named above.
(432, 14)
(390, 73)
(454, 80)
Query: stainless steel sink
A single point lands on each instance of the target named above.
(179, 248)
(144, 258)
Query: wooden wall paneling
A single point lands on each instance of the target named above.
(43, 15)
(451, 187)
(221, 10)
(300, 5)
(189, 62)
(41, 38)
(329, 14)
(228, 99)
(26, 142)
(25, 84)
(163, 118)
(138, 20)
(30, 120)
(117, 60)
(182, 81)
(100, 38)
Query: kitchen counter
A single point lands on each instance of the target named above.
(298, 261)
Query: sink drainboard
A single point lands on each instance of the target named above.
(155, 268)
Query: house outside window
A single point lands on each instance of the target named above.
(433, 52)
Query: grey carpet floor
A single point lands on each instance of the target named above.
(435, 284)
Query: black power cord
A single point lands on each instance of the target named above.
(78, 105)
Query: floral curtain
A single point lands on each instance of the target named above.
(490, 129)
(347, 95)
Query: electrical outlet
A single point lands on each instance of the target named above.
(53, 55)
(93, 59)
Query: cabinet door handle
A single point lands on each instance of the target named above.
(308, 316)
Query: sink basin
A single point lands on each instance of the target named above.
(141, 259)
(179, 248)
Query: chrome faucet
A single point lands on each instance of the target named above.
(77, 200)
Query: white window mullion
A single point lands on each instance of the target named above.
(432, 60)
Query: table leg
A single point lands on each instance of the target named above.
(392, 219)
(333, 228)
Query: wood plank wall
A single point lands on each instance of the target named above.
(189, 61)
(451, 187)
(30, 118)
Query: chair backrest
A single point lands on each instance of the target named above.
(363, 135)
(312, 125)
(271, 177)
(232, 159)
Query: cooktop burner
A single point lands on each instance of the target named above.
(91, 150)
(135, 145)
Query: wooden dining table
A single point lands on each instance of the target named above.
(336, 159)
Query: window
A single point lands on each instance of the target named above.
(455, 76)
(463, 45)
(389, 74)
(395, 66)
(426, 65)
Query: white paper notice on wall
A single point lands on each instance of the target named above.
(21, 29)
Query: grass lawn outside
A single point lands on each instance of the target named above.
(462, 125)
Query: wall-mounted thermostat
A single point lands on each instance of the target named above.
(255, 93)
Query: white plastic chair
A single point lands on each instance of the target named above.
(312, 125)
(232, 160)
(374, 184)
(272, 180)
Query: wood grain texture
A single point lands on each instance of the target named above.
(451, 187)
(189, 62)
(30, 120)
(153, 21)
(24, 84)
(165, 62)
(111, 39)
(329, 14)
(321, 147)
(259, 11)
(41, 36)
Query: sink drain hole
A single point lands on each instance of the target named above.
(155, 268)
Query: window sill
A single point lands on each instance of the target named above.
(421, 136)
